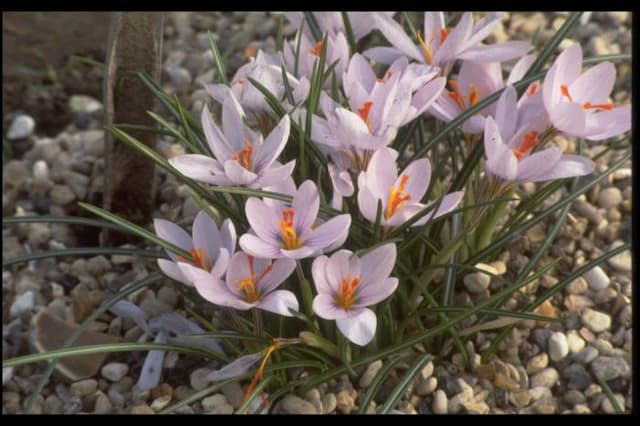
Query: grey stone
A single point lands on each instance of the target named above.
(597, 279)
(22, 304)
(216, 404)
(234, 394)
(596, 321)
(98, 265)
(102, 404)
(610, 197)
(21, 127)
(179, 76)
(293, 404)
(609, 368)
(607, 406)
(478, 282)
(84, 387)
(160, 402)
(577, 377)
(53, 405)
(576, 343)
(425, 387)
(587, 355)
(62, 195)
(369, 374)
(14, 173)
(198, 378)
(41, 170)
(114, 371)
(558, 346)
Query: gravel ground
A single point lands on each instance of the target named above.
(537, 369)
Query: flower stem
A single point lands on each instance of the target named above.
(257, 320)
(489, 225)
(307, 294)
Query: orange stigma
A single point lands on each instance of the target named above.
(529, 141)
(289, 236)
(363, 111)
(443, 35)
(607, 107)
(426, 48)
(474, 96)
(274, 347)
(199, 258)
(345, 297)
(397, 197)
(243, 155)
(565, 92)
(317, 49)
(532, 89)
(249, 285)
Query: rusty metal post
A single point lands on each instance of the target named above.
(135, 44)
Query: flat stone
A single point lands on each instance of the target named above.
(609, 368)
(558, 346)
(440, 402)
(596, 321)
(98, 265)
(21, 127)
(622, 261)
(84, 387)
(610, 197)
(597, 279)
(114, 371)
(216, 404)
(546, 378)
(293, 404)
(369, 374)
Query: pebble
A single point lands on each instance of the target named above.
(84, 104)
(98, 265)
(62, 195)
(198, 378)
(607, 406)
(558, 346)
(578, 286)
(575, 342)
(114, 371)
(574, 397)
(22, 304)
(426, 387)
(216, 404)
(588, 211)
(609, 197)
(53, 405)
(596, 321)
(369, 374)
(169, 296)
(587, 355)
(313, 396)
(41, 170)
(577, 377)
(39, 233)
(427, 371)
(141, 409)
(440, 402)
(345, 402)
(179, 76)
(609, 368)
(14, 173)
(546, 378)
(597, 279)
(622, 261)
(102, 404)
(21, 127)
(329, 403)
(478, 282)
(234, 394)
(293, 404)
(84, 387)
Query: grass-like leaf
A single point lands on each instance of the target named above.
(222, 72)
(408, 378)
(70, 220)
(378, 381)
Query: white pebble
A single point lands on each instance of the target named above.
(597, 279)
(558, 346)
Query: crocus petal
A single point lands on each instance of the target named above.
(273, 145)
(569, 166)
(397, 37)
(520, 69)
(375, 292)
(455, 41)
(305, 203)
(256, 247)
(595, 84)
(201, 168)
(381, 174)
(377, 263)
(538, 164)
(325, 307)
(213, 289)
(368, 203)
(174, 234)
(449, 202)
(220, 266)
(507, 113)
(569, 117)
(279, 302)
(496, 53)
(238, 174)
(216, 140)
(235, 368)
(171, 269)
(338, 267)
(341, 180)
(263, 220)
(419, 173)
(484, 27)
(275, 174)
(564, 71)
(228, 236)
(504, 165)
(232, 125)
(299, 253)
(359, 329)
(328, 232)
(612, 123)
(206, 234)
(382, 55)
(492, 138)
(126, 309)
(359, 72)
(426, 96)
(318, 272)
(282, 269)
(433, 23)
(152, 367)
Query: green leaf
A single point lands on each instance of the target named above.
(313, 26)
(378, 381)
(222, 72)
(349, 31)
(71, 220)
(610, 396)
(409, 377)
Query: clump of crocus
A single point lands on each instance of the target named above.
(346, 285)
(250, 283)
(400, 196)
(441, 46)
(280, 230)
(241, 156)
(578, 104)
(210, 247)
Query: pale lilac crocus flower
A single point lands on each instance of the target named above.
(210, 247)
(475, 82)
(578, 103)
(250, 283)
(346, 285)
(509, 150)
(400, 195)
(241, 156)
(289, 231)
(440, 46)
(362, 23)
(337, 50)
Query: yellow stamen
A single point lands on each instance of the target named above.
(364, 114)
(274, 347)
(345, 297)
(289, 236)
(454, 94)
(565, 92)
(317, 49)
(249, 284)
(529, 141)
(426, 48)
(397, 197)
(243, 155)
(607, 107)
(199, 258)
(474, 96)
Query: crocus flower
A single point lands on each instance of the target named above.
(475, 82)
(288, 231)
(509, 150)
(362, 23)
(337, 50)
(241, 156)
(440, 46)
(578, 103)
(250, 283)
(400, 195)
(265, 68)
(346, 285)
(210, 247)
